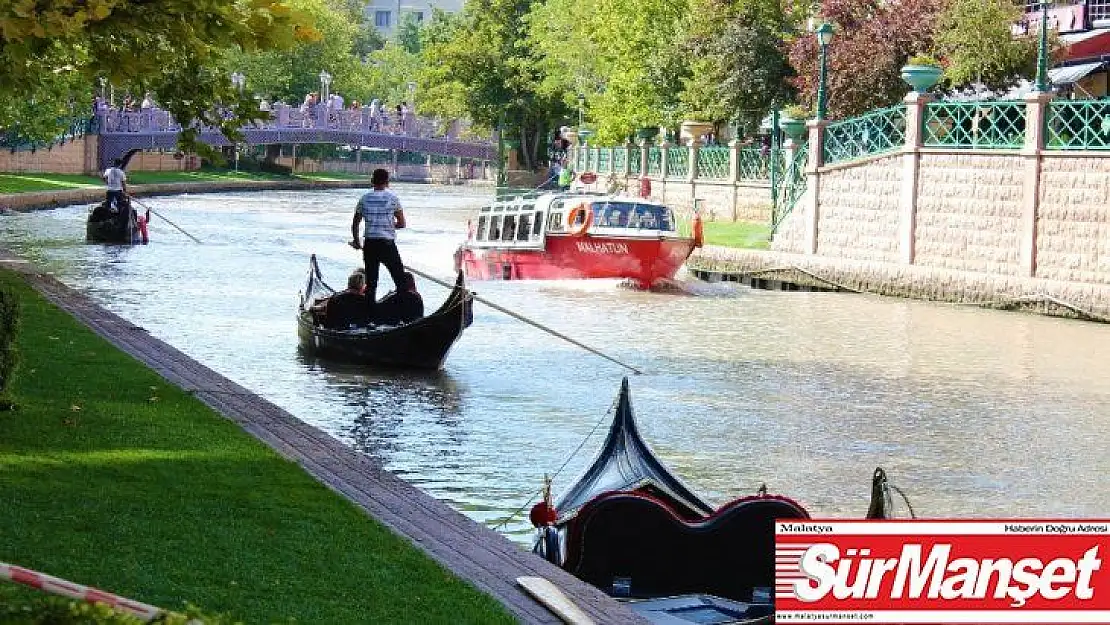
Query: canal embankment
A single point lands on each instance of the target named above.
(139, 470)
(786, 271)
(53, 198)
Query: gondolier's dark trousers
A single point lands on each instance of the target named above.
(380, 252)
(115, 198)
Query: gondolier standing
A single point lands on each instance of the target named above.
(116, 181)
(381, 210)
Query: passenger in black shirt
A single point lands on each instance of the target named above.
(401, 306)
(347, 308)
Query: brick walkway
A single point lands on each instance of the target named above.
(472, 551)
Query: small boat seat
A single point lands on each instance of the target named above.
(634, 545)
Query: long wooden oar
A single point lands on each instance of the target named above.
(179, 228)
(549, 595)
(530, 322)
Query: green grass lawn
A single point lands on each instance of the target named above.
(111, 477)
(25, 183)
(745, 234)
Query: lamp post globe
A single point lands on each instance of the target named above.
(824, 37)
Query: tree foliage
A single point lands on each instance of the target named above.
(623, 56)
(975, 40)
(873, 39)
(739, 67)
(488, 68)
(54, 52)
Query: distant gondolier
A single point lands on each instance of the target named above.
(116, 180)
(381, 210)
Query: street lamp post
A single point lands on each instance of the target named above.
(412, 97)
(1042, 51)
(824, 36)
(581, 104)
(325, 82)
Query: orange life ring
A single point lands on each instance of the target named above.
(587, 215)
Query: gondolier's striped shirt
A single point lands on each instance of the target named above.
(377, 208)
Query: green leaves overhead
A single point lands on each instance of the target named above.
(54, 51)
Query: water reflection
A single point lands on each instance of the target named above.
(974, 413)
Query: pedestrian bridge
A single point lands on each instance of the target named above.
(153, 129)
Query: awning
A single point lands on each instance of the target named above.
(1072, 74)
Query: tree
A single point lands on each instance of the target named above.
(290, 73)
(623, 57)
(975, 41)
(739, 66)
(873, 40)
(493, 74)
(408, 34)
(53, 52)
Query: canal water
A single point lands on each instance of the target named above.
(973, 413)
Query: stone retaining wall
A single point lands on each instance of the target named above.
(1052, 297)
(859, 211)
(74, 157)
(1073, 220)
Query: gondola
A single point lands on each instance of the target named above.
(119, 224)
(422, 344)
(632, 528)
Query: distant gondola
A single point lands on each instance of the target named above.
(119, 224)
(631, 528)
(422, 344)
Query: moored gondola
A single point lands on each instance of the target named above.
(421, 344)
(632, 528)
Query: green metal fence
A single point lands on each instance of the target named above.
(620, 157)
(678, 162)
(1078, 125)
(754, 165)
(876, 132)
(974, 125)
(580, 159)
(603, 162)
(655, 161)
(713, 163)
(793, 185)
(634, 160)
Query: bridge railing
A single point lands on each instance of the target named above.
(286, 117)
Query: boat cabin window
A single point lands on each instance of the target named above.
(555, 222)
(523, 227)
(495, 228)
(483, 223)
(509, 228)
(634, 215)
(537, 223)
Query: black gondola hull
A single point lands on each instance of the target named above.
(422, 344)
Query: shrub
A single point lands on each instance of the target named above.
(923, 59)
(275, 168)
(797, 111)
(9, 356)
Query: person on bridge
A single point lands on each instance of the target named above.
(381, 210)
(116, 181)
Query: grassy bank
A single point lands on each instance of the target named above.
(111, 477)
(744, 234)
(30, 182)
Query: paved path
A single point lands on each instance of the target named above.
(472, 551)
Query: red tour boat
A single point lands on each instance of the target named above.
(555, 236)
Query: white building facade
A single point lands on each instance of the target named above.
(386, 14)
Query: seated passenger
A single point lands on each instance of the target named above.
(401, 306)
(347, 308)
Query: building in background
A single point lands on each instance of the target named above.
(386, 14)
(1084, 30)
